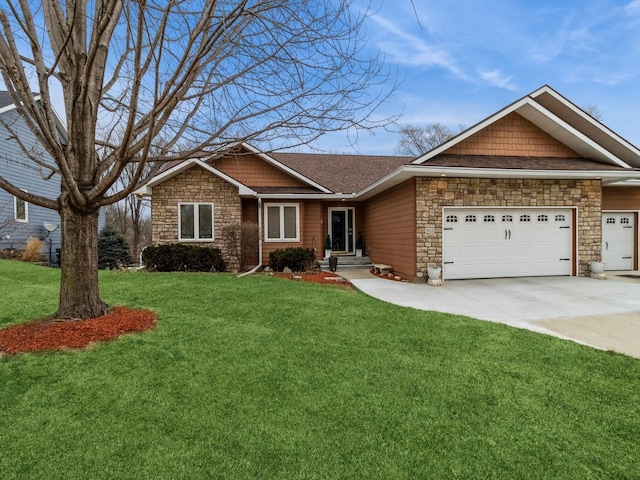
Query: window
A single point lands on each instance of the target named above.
(560, 218)
(624, 221)
(470, 218)
(281, 222)
(195, 221)
(20, 210)
(543, 218)
(611, 220)
(507, 218)
(489, 218)
(452, 219)
(525, 218)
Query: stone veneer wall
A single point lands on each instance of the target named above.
(432, 194)
(195, 185)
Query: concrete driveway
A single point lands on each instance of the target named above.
(601, 313)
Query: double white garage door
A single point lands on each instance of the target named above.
(493, 242)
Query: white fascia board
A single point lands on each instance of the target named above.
(285, 169)
(603, 128)
(576, 133)
(514, 107)
(406, 172)
(8, 108)
(146, 190)
(307, 196)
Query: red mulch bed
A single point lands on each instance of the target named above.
(324, 278)
(42, 335)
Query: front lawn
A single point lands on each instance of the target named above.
(261, 377)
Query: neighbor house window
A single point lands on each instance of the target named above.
(20, 210)
(282, 222)
(195, 221)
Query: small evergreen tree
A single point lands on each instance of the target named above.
(113, 249)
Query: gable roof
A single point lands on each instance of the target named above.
(183, 167)
(564, 121)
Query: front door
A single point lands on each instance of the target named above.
(341, 230)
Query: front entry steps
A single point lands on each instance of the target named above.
(348, 262)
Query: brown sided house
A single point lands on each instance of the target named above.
(539, 188)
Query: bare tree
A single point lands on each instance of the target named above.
(128, 215)
(164, 80)
(415, 141)
(594, 111)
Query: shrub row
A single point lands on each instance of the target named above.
(180, 257)
(296, 258)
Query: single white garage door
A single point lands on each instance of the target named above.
(617, 240)
(491, 242)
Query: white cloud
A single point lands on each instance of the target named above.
(497, 79)
(407, 49)
(633, 7)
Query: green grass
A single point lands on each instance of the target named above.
(259, 377)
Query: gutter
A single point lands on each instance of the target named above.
(259, 265)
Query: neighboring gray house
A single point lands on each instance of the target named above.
(20, 220)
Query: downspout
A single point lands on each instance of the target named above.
(259, 265)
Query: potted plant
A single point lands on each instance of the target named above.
(434, 272)
(359, 245)
(327, 247)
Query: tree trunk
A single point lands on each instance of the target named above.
(79, 292)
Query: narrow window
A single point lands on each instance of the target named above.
(195, 221)
(282, 222)
(20, 210)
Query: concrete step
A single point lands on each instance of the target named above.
(348, 261)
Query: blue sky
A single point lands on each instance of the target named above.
(462, 60)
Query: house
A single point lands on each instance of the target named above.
(539, 188)
(20, 220)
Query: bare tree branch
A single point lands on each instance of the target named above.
(415, 141)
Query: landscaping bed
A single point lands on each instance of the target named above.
(319, 277)
(51, 334)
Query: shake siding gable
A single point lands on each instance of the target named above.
(512, 135)
(253, 171)
(390, 229)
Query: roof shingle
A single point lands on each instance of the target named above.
(341, 173)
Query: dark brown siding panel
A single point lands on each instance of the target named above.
(390, 229)
(620, 198)
(310, 229)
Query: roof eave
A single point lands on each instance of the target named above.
(407, 172)
(147, 189)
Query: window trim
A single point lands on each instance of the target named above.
(15, 209)
(196, 222)
(281, 238)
